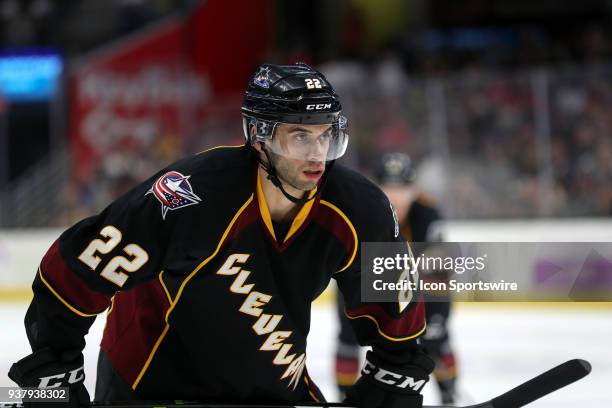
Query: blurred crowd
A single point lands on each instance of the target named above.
(488, 144)
(492, 144)
(76, 26)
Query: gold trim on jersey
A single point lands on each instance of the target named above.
(182, 287)
(297, 222)
(352, 228)
(166, 291)
(218, 147)
(63, 301)
(314, 397)
(110, 309)
(263, 208)
(301, 216)
(386, 336)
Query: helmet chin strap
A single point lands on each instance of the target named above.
(273, 177)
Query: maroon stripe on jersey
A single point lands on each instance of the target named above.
(333, 222)
(134, 324)
(409, 324)
(70, 286)
(249, 215)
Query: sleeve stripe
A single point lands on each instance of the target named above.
(404, 328)
(68, 287)
(417, 334)
(61, 299)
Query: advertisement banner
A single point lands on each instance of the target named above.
(135, 103)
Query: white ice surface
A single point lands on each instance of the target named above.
(497, 347)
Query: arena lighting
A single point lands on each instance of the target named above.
(30, 75)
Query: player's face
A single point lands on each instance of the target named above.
(300, 153)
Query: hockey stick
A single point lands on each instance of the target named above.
(539, 386)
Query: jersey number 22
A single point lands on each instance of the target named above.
(114, 269)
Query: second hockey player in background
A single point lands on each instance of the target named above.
(417, 214)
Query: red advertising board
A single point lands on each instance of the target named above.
(158, 85)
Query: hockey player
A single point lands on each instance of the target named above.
(417, 213)
(208, 269)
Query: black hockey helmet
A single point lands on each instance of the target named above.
(296, 94)
(395, 168)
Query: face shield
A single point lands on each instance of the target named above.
(300, 141)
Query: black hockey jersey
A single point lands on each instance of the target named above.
(420, 217)
(206, 301)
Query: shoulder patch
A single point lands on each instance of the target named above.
(173, 191)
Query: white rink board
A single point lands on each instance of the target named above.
(21, 250)
(498, 347)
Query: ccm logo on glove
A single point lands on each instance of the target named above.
(391, 378)
(74, 376)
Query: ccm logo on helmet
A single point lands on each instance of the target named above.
(318, 106)
(391, 378)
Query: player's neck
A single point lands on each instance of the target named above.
(279, 206)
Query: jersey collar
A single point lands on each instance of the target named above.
(298, 221)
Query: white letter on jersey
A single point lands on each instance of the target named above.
(275, 340)
(295, 370)
(228, 267)
(253, 301)
(281, 357)
(238, 285)
(266, 323)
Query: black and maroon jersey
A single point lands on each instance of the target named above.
(420, 217)
(209, 300)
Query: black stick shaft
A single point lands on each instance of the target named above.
(545, 383)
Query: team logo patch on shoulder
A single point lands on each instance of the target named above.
(173, 191)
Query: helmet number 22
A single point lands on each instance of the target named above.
(113, 270)
(312, 83)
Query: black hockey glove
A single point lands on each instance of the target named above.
(385, 385)
(46, 369)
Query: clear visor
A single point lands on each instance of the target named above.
(306, 142)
